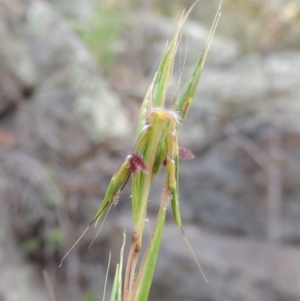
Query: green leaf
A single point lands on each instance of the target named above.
(141, 182)
(161, 153)
(145, 111)
(163, 76)
(175, 190)
(185, 99)
(116, 184)
(156, 94)
(115, 288)
(116, 294)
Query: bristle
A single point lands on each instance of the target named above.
(137, 162)
(168, 114)
(185, 154)
(166, 196)
(174, 114)
(116, 198)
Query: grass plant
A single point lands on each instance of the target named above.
(156, 147)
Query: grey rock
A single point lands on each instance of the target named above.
(217, 189)
(31, 194)
(15, 53)
(252, 77)
(223, 191)
(228, 183)
(87, 98)
(81, 11)
(72, 106)
(194, 35)
(265, 87)
(237, 269)
(19, 280)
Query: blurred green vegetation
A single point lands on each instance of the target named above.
(31, 245)
(256, 25)
(90, 297)
(56, 237)
(262, 25)
(103, 34)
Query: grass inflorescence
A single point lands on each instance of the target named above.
(156, 147)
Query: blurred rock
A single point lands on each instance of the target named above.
(251, 77)
(194, 35)
(12, 91)
(55, 109)
(225, 201)
(81, 11)
(71, 104)
(33, 198)
(59, 117)
(237, 269)
(231, 171)
(19, 280)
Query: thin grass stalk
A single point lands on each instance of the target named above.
(141, 187)
(142, 285)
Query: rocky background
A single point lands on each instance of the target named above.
(72, 76)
